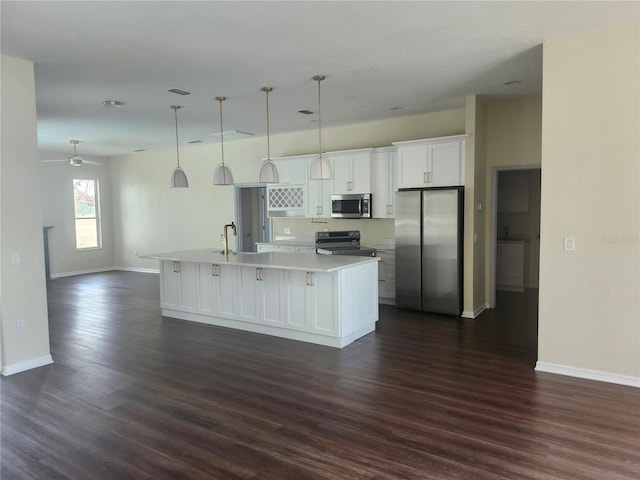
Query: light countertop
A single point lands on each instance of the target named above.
(285, 261)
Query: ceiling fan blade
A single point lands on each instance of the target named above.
(59, 160)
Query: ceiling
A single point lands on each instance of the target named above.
(381, 59)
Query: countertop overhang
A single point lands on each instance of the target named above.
(285, 261)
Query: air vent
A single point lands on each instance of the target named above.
(179, 91)
(138, 150)
(304, 111)
(194, 141)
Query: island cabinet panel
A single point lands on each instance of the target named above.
(311, 298)
(261, 295)
(310, 302)
(359, 286)
(217, 290)
(178, 285)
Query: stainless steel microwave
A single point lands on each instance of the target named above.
(353, 205)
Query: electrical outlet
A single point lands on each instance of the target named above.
(20, 325)
(287, 230)
(569, 244)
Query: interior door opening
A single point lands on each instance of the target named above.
(253, 224)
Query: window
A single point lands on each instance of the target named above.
(87, 214)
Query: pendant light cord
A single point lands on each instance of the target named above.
(320, 122)
(220, 99)
(175, 111)
(268, 139)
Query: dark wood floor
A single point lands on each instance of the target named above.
(133, 395)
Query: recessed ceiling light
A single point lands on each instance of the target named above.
(179, 91)
(111, 103)
(138, 150)
(304, 111)
(512, 82)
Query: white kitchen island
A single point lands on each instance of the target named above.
(327, 300)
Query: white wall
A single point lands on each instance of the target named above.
(23, 295)
(589, 317)
(57, 211)
(151, 217)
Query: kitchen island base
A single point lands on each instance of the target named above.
(316, 299)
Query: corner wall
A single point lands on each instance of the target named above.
(589, 319)
(23, 295)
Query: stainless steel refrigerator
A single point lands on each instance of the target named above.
(429, 240)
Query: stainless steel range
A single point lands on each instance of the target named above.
(344, 242)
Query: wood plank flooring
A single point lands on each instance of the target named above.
(132, 395)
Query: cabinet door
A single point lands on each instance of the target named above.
(271, 296)
(321, 298)
(248, 294)
(342, 174)
(227, 291)
(361, 172)
(170, 283)
(292, 170)
(188, 286)
(412, 166)
(296, 316)
(444, 164)
(319, 205)
(383, 184)
(207, 289)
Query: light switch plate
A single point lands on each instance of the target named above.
(569, 244)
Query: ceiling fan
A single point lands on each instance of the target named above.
(75, 160)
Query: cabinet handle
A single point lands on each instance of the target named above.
(311, 279)
(213, 270)
(176, 267)
(320, 210)
(424, 178)
(257, 274)
(429, 177)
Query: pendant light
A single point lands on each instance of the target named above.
(222, 175)
(320, 166)
(269, 171)
(179, 178)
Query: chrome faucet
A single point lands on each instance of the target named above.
(225, 238)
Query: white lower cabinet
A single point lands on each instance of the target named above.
(387, 277)
(261, 295)
(217, 290)
(328, 308)
(178, 285)
(510, 271)
(311, 300)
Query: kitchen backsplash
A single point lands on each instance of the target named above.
(374, 232)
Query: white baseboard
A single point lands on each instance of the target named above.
(104, 269)
(26, 365)
(82, 272)
(475, 313)
(139, 270)
(585, 373)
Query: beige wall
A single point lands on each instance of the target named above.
(151, 217)
(23, 284)
(589, 299)
(514, 140)
(57, 211)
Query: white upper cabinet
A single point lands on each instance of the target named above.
(383, 162)
(290, 197)
(319, 203)
(292, 170)
(351, 171)
(433, 162)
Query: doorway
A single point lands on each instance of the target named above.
(252, 222)
(515, 230)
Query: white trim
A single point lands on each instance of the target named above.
(26, 365)
(82, 272)
(139, 270)
(477, 311)
(318, 339)
(596, 375)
